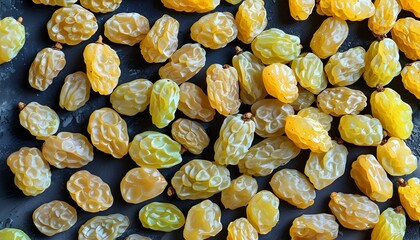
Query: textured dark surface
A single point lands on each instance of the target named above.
(16, 209)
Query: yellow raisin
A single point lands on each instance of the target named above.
(386, 13)
(241, 229)
(12, 38)
(249, 70)
(382, 63)
(301, 9)
(75, 91)
(191, 5)
(233, 2)
(293, 187)
(391, 225)
(361, 130)
(307, 133)
(126, 28)
(41, 121)
(275, 46)
(267, 155)
(161, 41)
(72, 25)
(102, 67)
(263, 211)
(67, 150)
(203, 221)
(155, 150)
(136, 237)
(318, 115)
(104, 227)
(323, 169)
(329, 37)
(214, 30)
(309, 71)
(13, 234)
(411, 78)
(371, 178)
(190, 135)
(280, 82)
(142, 184)
(223, 89)
(251, 20)
(353, 10)
(408, 192)
(304, 100)
(345, 68)
(62, 3)
(411, 5)
(235, 138)
(164, 100)
(32, 172)
(354, 211)
(269, 116)
(184, 63)
(194, 103)
(132, 97)
(394, 114)
(314, 226)
(89, 192)
(199, 179)
(101, 6)
(159, 216)
(396, 157)
(240, 192)
(406, 33)
(108, 132)
(54, 217)
(341, 101)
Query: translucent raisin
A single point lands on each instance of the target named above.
(408, 192)
(341, 101)
(164, 100)
(12, 38)
(32, 172)
(75, 91)
(394, 114)
(355, 10)
(251, 20)
(249, 70)
(155, 150)
(54, 217)
(203, 221)
(263, 211)
(323, 169)
(67, 150)
(304, 100)
(411, 78)
(41, 121)
(269, 116)
(267, 155)
(101, 6)
(361, 130)
(301, 9)
(191, 5)
(62, 3)
(142, 184)
(102, 67)
(214, 30)
(223, 89)
(184, 63)
(159, 216)
(161, 41)
(406, 33)
(371, 178)
(411, 5)
(396, 157)
(314, 226)
(354, 211)
(345, 68)
(132, 97)
(108, 132)
(293, 187)
(241, 229)
(190, 135)
(126, 28)
(307, 133)
(280, 82)
(309, 72)
(386, 13)
(13, 234)
(89, 192)
(240, 192)
(72, 25)
(391, 224)
(318, 115)
(199, 179)
(194, 103)
(329, 37)
(104, 227)
(275, 46)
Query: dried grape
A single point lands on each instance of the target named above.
(164, 100)
(354, 10)
(329, 37)
(13, 234)
(361, 130)
(406, 33)
(391, 225)
(54, 217)
(104, 227)
(339, 101)
(318, 115)
(101, 6)
(194, 103)
(304, 100)
(12, 38)
(411, 78)
(159, 216)
(241, 229)
(191, 5)
(203, 221)
(263, 211)
(251, 20)
(301, 9)
(41, 121)
(126, 28)
(280, 82)
(190, 135)
(314, 226)
(386, 13)
(396, 157)
(75, 91)
(408, 192)
(240, 192)
(309, 72)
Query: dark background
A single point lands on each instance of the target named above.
(16, 209)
